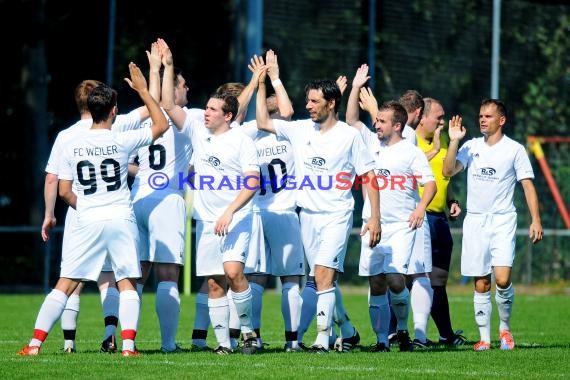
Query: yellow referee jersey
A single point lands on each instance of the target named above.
(439, 202)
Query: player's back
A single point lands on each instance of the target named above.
(97, 161)
(63, 137)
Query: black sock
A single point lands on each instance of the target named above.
(199, 334)
(440, 311)
(69, 334)
(235, 333)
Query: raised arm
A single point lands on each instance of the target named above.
(154, 62)
(342, 83)
(154, 79)
(368, 102)
(451, 166)
(352, 108)
(263, 119)
(436, 143)
(138, 83)
(174, 111)
(256, 65)
(284, 104)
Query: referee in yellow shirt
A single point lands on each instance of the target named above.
(430, 141)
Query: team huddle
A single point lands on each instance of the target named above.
(256, 224)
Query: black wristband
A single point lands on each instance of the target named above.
(452, 201)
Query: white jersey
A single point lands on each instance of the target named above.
(60, 143)
(164, 165)
(276, 164)
(400, 168)
(96, 161)
(325, 163)
(492, 172)
(122, 123)
(219, 163)
(409, 134)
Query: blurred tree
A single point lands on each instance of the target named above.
(34, 79)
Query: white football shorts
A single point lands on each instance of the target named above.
(213, 250)
(162, 228)
(325, 238)
(91, 243)
(283, 244)
(392, 254)
(256, 262)
(420, 262)
(488, 241)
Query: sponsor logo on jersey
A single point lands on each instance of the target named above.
(487, 171)
(214, 161)
(317, 161)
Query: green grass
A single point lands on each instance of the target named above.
(540, 326)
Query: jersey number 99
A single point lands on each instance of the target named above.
(110, 172)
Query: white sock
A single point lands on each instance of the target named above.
(49, 313)
(243, 303)
(421, 299)
(325, 310)
(483, 310)
(308, 308)
(168, 311)
(69, 319)
(505, 299)
(220, 317)
(129, 311)
(291, 310)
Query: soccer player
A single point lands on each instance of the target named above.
(323, 148)
(420, 265)
(243, 93)
(160, 207)
(276, 205)
(418, 275)
(226, 179)
(106, 281)
(96, 162)
(434, 145)
(403, 212)
(494, 164)
(349, 337)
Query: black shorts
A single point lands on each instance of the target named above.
(441, 240)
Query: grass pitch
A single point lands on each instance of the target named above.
(540, 326)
